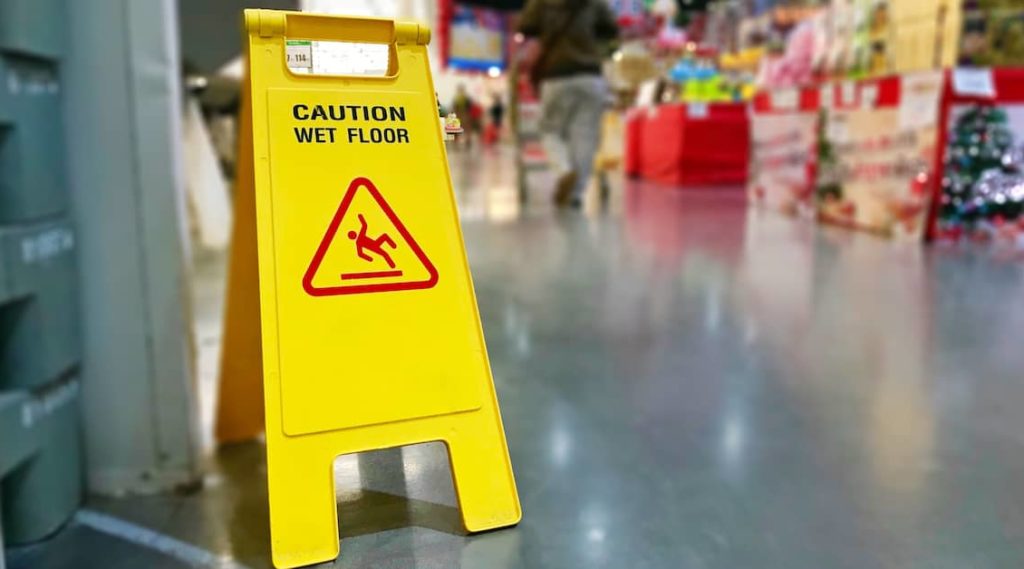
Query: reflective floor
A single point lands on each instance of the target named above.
(685, 384)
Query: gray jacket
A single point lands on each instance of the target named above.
(580, 47)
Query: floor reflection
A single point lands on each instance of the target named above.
(687, 383)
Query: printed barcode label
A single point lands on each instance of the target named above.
(299, 54)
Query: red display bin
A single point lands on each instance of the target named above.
(690, 144)
(634, 133)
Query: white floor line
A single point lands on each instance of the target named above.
(3, 557)
(186, 553)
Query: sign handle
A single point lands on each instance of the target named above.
(301, 25)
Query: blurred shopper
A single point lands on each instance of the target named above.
(572, 35)
(462, 106)
(497, 112)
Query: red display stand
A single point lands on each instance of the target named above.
(887, 142)
(784, 134)
(1008, 90)
(693, 144)
(634, 135)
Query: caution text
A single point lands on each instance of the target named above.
(383, 134)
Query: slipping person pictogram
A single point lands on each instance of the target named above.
(373, 245)
(388, 241)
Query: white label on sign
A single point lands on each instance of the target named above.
(646, 94)
(837, 130)
(919, 100)
(826, 96)
(299, 54)
(848, 93)
(869, 95)
(697, 110)
(785, 99)
(974, 81)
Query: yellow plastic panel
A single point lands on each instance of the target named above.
(370, 332)
(411, 339)
(240, 397)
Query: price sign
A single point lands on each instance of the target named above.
(697, 110)
(786, 99)
(974, 82)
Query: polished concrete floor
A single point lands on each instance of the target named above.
(685, 384)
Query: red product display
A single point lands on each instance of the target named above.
(784, 129)
(1008, 88)
(634, 134)
(690, 144)
(884, 147)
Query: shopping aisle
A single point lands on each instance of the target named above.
(686, 384)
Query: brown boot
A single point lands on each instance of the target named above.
(563, 188)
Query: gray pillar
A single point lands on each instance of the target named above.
(123, 122)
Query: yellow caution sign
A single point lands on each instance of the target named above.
(240, 397)
(370, 332)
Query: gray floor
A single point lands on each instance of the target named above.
(685, 384)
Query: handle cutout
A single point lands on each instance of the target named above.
(341, 58)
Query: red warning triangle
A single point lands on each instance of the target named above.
(369, 256)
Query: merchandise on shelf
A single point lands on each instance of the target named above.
(744, 60)
(839, 37)
(697, 78)
(798, 59)
(873, 38)
(993, 33)
(723, 19)
(862, 39)
(632, 64)
(925, 34)
(803, 50)
(753, 31)
(452, 124)
(699, 82)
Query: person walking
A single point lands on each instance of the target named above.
(497, 111)
(462, 106)
(572, 35)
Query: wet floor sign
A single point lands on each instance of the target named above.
(370, 332)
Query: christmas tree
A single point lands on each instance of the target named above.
(984, 173)
(827, 186)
